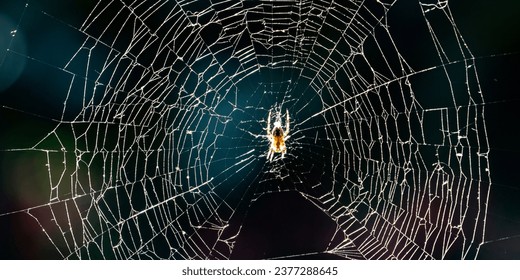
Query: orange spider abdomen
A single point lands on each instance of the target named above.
(278, 143)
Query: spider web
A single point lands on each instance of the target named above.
(157, 146)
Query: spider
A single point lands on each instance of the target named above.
(277, 136)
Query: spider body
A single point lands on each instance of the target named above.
(277, 135)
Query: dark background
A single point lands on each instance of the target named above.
(283, 224)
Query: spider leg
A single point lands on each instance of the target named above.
(286, 132)
(269, 123)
